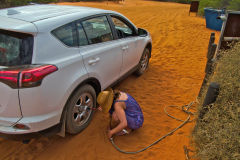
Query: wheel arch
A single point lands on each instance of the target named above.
(90, 81)
(149, 46)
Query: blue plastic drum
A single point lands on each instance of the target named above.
(211, 18)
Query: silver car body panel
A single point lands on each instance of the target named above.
(22, 26)
(10, 111)
(130, 56)
(108, 61)
(33, 13)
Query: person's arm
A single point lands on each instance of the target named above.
(122, 118)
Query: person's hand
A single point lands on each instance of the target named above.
(100, 108)
(109, 134)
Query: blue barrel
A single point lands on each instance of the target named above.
(211, 18)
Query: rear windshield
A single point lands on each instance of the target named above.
(15, 48)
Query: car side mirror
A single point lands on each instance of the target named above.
(142, 32)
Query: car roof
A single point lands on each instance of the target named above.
(37, 12)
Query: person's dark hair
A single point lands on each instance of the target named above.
(116, 94)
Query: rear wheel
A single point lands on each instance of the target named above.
(143, 63)
(80, 109)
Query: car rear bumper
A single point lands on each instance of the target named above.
(35, 126)
(19, 137)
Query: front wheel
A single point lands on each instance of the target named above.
(80, 109)
(143, 63)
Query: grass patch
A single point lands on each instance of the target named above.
(217, 135)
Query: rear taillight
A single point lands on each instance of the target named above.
(10, 78)
(34, 76)
(25, 77)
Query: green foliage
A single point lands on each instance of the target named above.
(178, 1)
(13, 3)
(219, 4)
(182, 1)
(234, 5)
(216, 136)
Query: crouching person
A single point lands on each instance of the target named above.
(125, 113)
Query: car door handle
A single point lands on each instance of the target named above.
(125, 47)
(93, 61)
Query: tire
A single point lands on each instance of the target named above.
(79, 109)
(143, 63)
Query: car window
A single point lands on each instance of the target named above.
(81, 35)
(66, 34)
(98, 30)
(15, 48)
(122, 28)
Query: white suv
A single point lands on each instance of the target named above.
(54, 60)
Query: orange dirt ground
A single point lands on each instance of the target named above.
(174, 77)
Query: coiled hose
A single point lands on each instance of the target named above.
(184, 108)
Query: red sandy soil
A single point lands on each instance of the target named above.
(174, 77)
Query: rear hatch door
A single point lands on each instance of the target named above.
(10, 111)
(15, 51)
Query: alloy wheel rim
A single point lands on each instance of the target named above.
(82, 109)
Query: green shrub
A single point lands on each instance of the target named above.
(234, 5)
(182, 1)
(219, 4)
(13, 3)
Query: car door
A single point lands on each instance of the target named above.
(102, 55)
(129, 41)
